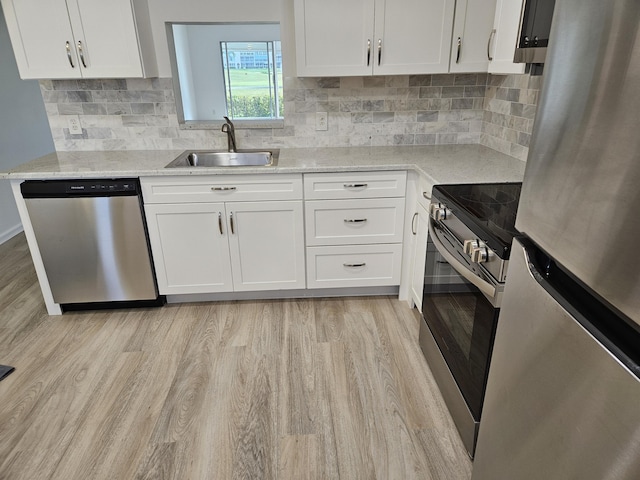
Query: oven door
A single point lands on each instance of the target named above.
(460, 307)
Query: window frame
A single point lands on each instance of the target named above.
(274, 85)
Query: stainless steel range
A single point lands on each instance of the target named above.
(470, 233)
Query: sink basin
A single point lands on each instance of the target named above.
(212, 158)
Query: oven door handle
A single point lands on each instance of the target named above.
(482, 285)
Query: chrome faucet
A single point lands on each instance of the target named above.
(230, 130)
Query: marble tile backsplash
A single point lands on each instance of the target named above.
(509, 111)
(132, 114)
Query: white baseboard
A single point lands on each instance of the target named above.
(10, 233)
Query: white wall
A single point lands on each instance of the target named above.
(24, 129)
(162, 11)
(199, 62)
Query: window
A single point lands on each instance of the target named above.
(232, 70)
(253, 79)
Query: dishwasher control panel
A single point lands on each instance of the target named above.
(86, 188)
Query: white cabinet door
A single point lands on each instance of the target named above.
(266, 240)
(190, 247)
(412, 36)
(109, 42)
(364, 37)
(334, 37)
(471, 31)
(502, 44)
(421, 228)
(42, 40)
(80, 38)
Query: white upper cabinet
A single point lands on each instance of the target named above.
(81, 38)
(365, 37)
(334, 37)
(504, 36)
(471, 30)
(412, 36)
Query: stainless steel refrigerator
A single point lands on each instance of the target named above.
(563, 393)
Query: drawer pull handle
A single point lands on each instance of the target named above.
(413, 224)
(356, 185)
(355, 220)
(222, 189)
(233, 229)
(220, 222)
(354, 265)
(426, 195)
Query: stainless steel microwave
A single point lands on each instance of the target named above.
(535, 25)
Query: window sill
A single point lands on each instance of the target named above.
(244, 124)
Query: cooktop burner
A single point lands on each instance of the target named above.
(489, 209)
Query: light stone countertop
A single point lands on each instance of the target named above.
(440, 164)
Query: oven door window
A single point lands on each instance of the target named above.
(463, 324)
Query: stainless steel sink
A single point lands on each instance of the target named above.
(213, 158)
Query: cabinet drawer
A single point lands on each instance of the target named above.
(354, 266)
(359, 221)
(216, 188)
(354, 185)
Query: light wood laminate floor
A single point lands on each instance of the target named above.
(289, 389)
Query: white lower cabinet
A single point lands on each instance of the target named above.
(354, 265)
(364, 221)
(353, 235)
(228, 246)
(421, 229)
(267, 245)
(190, 251)
(243, 233)
(420, 232)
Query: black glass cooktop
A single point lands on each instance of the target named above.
(488, 209)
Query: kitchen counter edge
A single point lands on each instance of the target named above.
(440, 164)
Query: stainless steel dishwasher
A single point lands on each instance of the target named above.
(93, 242)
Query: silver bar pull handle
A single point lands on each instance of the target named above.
(368, 52)
(459, 267)
(459, 48)
(81, 53)
(493, 32)
(356, 185)
(413, 224)
(222, 189)
(220, 223)
(69, 55)
(355, 220)
(353, 265)
(233, 229)
(379, 51)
